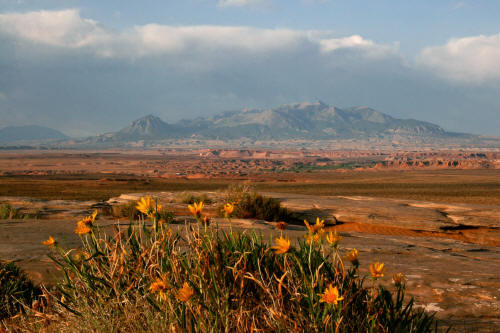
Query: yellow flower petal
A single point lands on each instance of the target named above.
(333, 238)
(228, 209)
(185, 293)
(282, 245)
(377, 270)
(398, 278)
(196, 208)
(353, 256)
(82, 228)
(330, 295)
(49, 242)
(148, 206)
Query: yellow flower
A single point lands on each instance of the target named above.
(398, 278)
(228, 209)
(82, 227)
(88, 220)
(320, 224)
(377, 270)
(353, 256)
(333, 238)
(185, 293)
(159, 286)
(330, 295)
(314, 237)
(196, 208)
(148, 206)
(49, 242)
(282, 245)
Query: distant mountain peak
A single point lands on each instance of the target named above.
(149, 126)
(148, 119)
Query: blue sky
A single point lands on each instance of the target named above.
(92, 66)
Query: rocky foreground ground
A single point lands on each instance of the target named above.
(449, 253)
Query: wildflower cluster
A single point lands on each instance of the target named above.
(315, 231)
(205, 279)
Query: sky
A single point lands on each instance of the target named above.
(93, 66)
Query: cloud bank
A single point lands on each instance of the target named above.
(468, 60)
(61, 69)
(66, 29)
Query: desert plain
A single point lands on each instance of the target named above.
(433, 215)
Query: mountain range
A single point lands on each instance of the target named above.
(300, 121)
(313, 121)
(29, 133)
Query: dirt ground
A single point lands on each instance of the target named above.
(440, 227)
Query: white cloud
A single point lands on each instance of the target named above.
(370, 48)
(63, 28)
(207, 43)
(240, 3)
(174, 39)
(469, 60)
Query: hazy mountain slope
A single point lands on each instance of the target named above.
(29, 133)
(315, 121)
(146, 127)
(308, 121)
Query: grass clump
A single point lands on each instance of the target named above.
(127, 210)
(16, 289)
(146, 277)
(250, 204)
(190, 198)
(8, 212)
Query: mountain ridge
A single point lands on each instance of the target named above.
(315, 121)
(10, 134)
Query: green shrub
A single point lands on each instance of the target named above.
(249, 204)
(254, 205)
(235, 192)
(15, 290)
